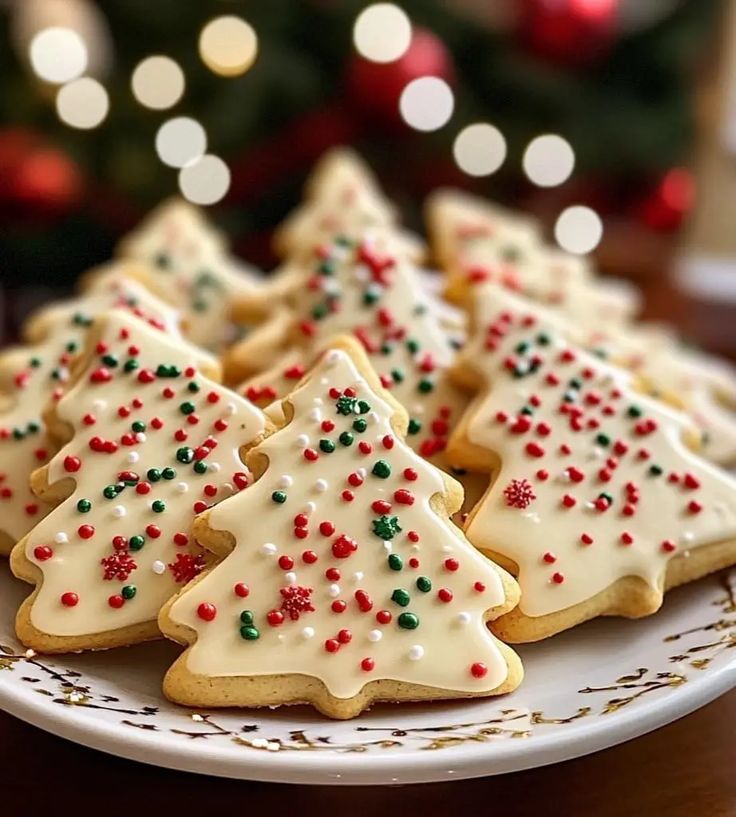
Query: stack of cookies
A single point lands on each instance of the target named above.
(354, 480)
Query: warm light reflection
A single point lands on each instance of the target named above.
(578, 229)
(205, 181)
(427, 103)
(58, 54)
(181, 141)
(382, 32)
(479, 149)
(228, 46)
(82, 103)
(548, 160)
(158, 82)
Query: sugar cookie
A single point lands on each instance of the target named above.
(597, 503)
(150, 441)
(343, 583)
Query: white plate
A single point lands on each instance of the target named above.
(590, 688)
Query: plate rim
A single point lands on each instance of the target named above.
(465, 761)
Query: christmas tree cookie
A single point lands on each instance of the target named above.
(368, 289)
(150, 440)
(597, 502)
(341, 196)
(351, 586)
(185, 261)
(477, 242)
(32, 375)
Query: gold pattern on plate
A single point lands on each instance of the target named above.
(67, 687)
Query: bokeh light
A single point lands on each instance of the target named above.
(479, 149)
(228, 46)
(82, 103)
(58, 54)
(382, 32)
(578, 229)
(548, 160)
(427, 103)
(181, 141)
(158, 82)
(205, 181)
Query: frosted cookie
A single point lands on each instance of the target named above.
(597, 503)
(185, 261)
(150, 440)
(343, 581)
(371, 291)
(341, 196)
(479, 243)
(32, 375)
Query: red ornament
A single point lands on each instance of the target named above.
(376, 87)
(571, 33)
(667, 205)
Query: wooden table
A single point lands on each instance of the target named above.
(686, 769)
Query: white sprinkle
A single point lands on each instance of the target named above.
(318, 401)
(259, 743)
(119, 511)
(290, 578)
(373, 417)
(590, 505)
(334, 590)
(214, 467)
(323, 381)
(308, 632)
(387, 546)
(63, 374)
(375, 635)
(315, 414)
(197, 718)
(363, 472)
(416, 652)
(140, 437)
(281, 638)
(158, 567)
(687, 536)
(285, 481)
(182, 487)
(332, 357)
(61, 538)
(29, 653)
(268, 549)
(447, 548)
(133, 457)
(302, 440)
(310, 507)
(99, 405)
(463, 618)
(358, 576)
(321, 485)
(231, 408)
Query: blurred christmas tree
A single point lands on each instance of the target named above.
(614, 77)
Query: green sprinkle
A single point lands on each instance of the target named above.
(200, 467)
(136, 542)
(81, 320)
(370, 296)
(527, 410)
(360, 425)
(110, 360)
(35, 362)
(320, 311)
(397, 375)
(138, 426)
(425, 386)
(413, 345)
(18, 434)
(363, 407)
(279, 497)
(129, 591)
(408, 621)
(603, 439)
(326, 267)
(193, 387)
(162, 370)
(84, 506)
(153, 474)
(395, 562)
(168, 473)
(346, 438)
(522, 347)
(543, 339)
(33, 427)
(130, 365)
(185, 455)
(158, 506)
(386, 527)
(608, 497)
(414, 426)
(249, 633)
(655, 470)
(199, 305)
(72, 346)
(326, 445)
(401, 597)
(186, 407)
(161, 260)
(424, 584)
(246, 617)
(345, 405)
(110, 492)
(381, 469)
(634, 411)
